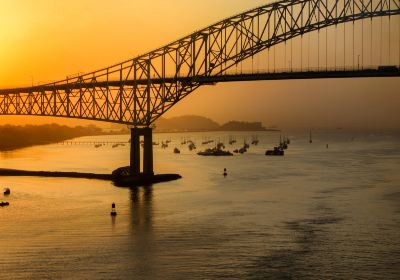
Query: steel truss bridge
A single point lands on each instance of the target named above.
(138, 91)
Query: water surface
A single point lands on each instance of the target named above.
(314, 213)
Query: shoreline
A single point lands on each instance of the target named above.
(56, 174)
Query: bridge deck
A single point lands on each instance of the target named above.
(204, 80)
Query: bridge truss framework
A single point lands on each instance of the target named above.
(138, 91)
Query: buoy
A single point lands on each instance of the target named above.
(225, 173)
(7, 191)
(113, 211)
(327, 146)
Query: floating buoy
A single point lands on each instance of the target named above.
(225, 173)
(113, 211)
(327, 146)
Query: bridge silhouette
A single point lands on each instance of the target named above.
(138, 91)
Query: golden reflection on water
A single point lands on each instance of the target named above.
(323, 213)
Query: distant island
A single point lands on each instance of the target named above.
(16, 137)
(198, 123)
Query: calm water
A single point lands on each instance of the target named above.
(315, 213)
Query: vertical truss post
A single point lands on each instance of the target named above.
(193, 56)
(67, 92)
(30, 103)
(135, 99)
(148, 93)
(107, 92)
(54, 102)
(206, 54)
(121, 93)
(163, 81)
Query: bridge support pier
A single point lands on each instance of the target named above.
(135, 164)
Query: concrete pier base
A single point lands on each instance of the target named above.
(135, 162)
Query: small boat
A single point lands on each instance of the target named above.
(164, 145)
(215, 152)
(177, 151)
(275, 152)
(4, 203)
(7, 191)
(283, 145)
(231, 140)
(207, 142)
(220, 146)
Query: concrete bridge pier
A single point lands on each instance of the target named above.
(135, 162)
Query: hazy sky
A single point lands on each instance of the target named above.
(45, 40)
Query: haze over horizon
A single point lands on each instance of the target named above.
(40, 44)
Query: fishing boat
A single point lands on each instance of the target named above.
(7, 191)
(215, 152)
(275, 152)
(191, 146)
(177, 151)
(4, 203)
(283, 145)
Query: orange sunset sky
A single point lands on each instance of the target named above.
(46, 40)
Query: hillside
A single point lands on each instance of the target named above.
(199, 123)
(15, 137)
(186, 123)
